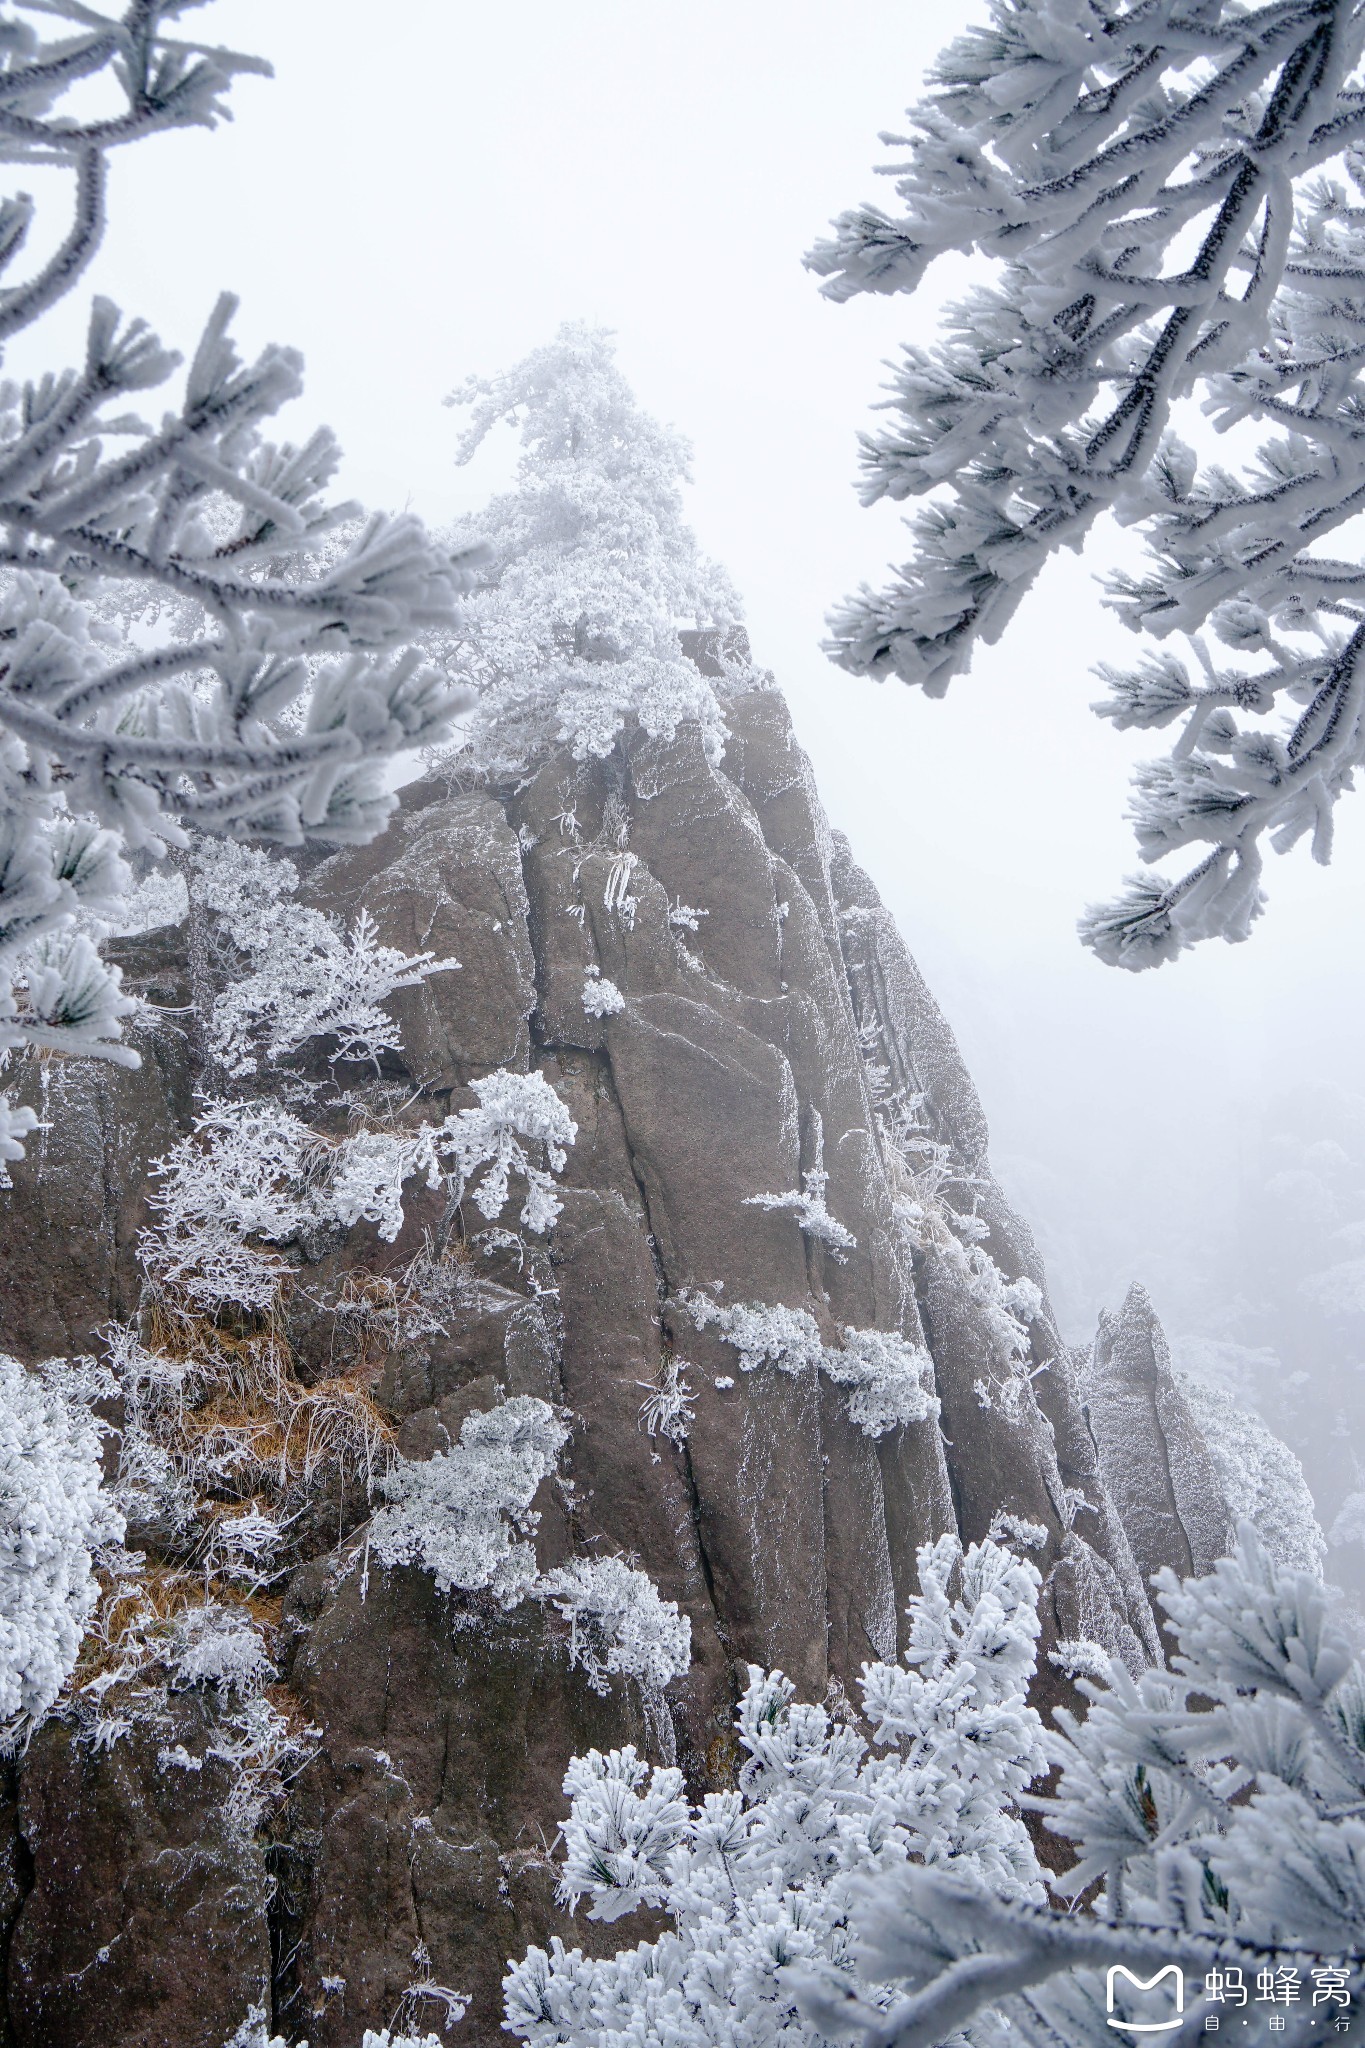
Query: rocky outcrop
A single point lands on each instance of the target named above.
(770, 1014)
(1155, 1464)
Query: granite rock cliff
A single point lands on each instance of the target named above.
(770, 1012)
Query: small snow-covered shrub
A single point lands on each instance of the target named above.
(668, 1407)
(254, 2033)
(254, 1171)
(465, 1516)
(160, 899)
(602, 998)
(458, 1514)
(54, 1521)
(305, 977)
(762, 1879)
(618, 1623)
(888, 1377)
(762, 1334)
(215, 1645)
(245, 1172)
(807, 1205)
(515, 1110)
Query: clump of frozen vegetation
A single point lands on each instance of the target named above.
(293, 974)
(618, 1624)
(465, 1516)
(195, 636)
(489, 1145)
(602, 998)
(252, 1177)
(160, 899)
(787, 1338)
(668, 1407)
(1158, 215)
(888, 1378)
(55, 1521)
(254, 2032)
(574, 631)
(1261, 1479)
(761, 1880)
(807, 1204)
(1217, 1805)
(460, 1514)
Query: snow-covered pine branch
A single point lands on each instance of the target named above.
(268, 676)
(758, 1882)
(1219, 1805)
(576, 628)
(1171, 200)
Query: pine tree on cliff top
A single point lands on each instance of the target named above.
(575, 626)
(1167, 196)
(263, 675)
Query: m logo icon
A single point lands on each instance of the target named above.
(1116, 1970)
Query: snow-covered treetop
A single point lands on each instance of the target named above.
(1146, 183)
(196, 634)
(576, 627)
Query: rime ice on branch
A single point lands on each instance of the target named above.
(1171, 200)
(1218, 1806)
(194, 634)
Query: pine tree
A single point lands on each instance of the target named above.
(1218, 1807)
(760, 1882)
(195, 636)
(1170, 197)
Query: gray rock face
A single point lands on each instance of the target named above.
(1155, 1463)
(769, 1006)
(145, 1921)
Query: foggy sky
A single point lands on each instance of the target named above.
(413, 207)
